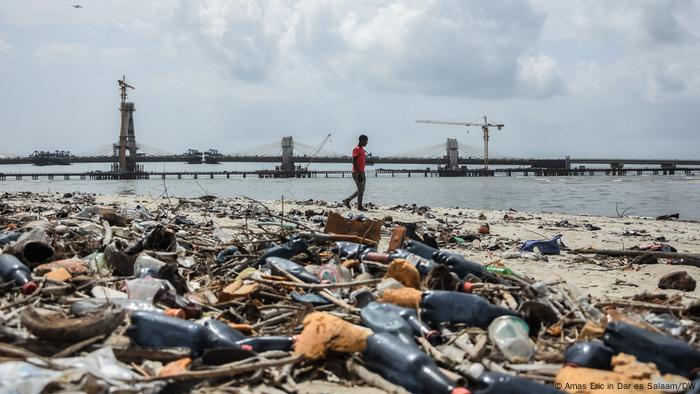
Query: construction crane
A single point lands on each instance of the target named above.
(123, 86)
(318, 149)
(484, 126)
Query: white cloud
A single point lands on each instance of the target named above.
(61, 52)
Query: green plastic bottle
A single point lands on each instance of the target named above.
(499, 270)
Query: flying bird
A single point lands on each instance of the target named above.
(76, 6)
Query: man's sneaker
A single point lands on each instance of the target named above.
(363, 209)
(346, 203)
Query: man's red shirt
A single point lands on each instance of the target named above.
(360, 156)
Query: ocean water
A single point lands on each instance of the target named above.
(642, 195)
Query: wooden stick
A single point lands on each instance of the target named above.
(374, 379)
(623, 253)
(318, 286)
(323, 293)
(229, 370)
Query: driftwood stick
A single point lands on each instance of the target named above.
(373, 379)
(632, 253)
(318, 286)
(229, 370)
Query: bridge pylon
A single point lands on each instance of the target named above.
(287, 154)
(127, 135)
(452, 148)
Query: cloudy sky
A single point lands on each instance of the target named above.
(584, 78)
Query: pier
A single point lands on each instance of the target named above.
(379, 173)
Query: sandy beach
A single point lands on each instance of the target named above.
(600, 277)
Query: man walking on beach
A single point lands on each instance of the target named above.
(359, 158)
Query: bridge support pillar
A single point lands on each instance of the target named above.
(287, 154)
(452, 148)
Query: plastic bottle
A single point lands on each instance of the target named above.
(670, 355)
(218, 335)
(226, 254)
(11, 269)
(291, 267)
(402, 322)
(6, 238)
(441, 306)
(378, 318)
(593, 354)
(152, 290)
(32, 247)
(510, 334)
(420, 249)
(264, 344)
(498, 383)
(404, 364)
(158, 330)
(499, 270)
(146, 265)
(287, 250)
(353, 250)
(463, 267)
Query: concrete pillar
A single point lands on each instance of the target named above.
(287, 154)
(452, 148)
(567, 162)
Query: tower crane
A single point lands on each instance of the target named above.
(122, 88)
(318, 149)
(485, 126)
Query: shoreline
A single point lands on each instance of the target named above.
(599, 277)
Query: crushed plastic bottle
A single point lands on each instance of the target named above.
(440, 306)
(510, 334)
(404, 364)
(11, 269)
(276, 263)
(226, 254)
(286, 250)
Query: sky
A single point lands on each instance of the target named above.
(580, 78)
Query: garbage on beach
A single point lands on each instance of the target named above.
(160, 298)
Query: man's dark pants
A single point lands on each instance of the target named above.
(360, 180)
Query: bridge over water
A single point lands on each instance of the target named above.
(290, 155)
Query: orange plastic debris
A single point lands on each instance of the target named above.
(323, 332)
(628, 376)
(59, 275)
(246, 329)
(406, 297)
(590, 331)
(74, 266)
(404, 272)
(176, 312)
(398, 234)
(176, 367)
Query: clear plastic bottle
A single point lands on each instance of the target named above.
(510, 334)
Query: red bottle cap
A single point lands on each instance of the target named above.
(467, 287)
(460, 390)
(29, 287)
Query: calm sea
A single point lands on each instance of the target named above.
(643, 195)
